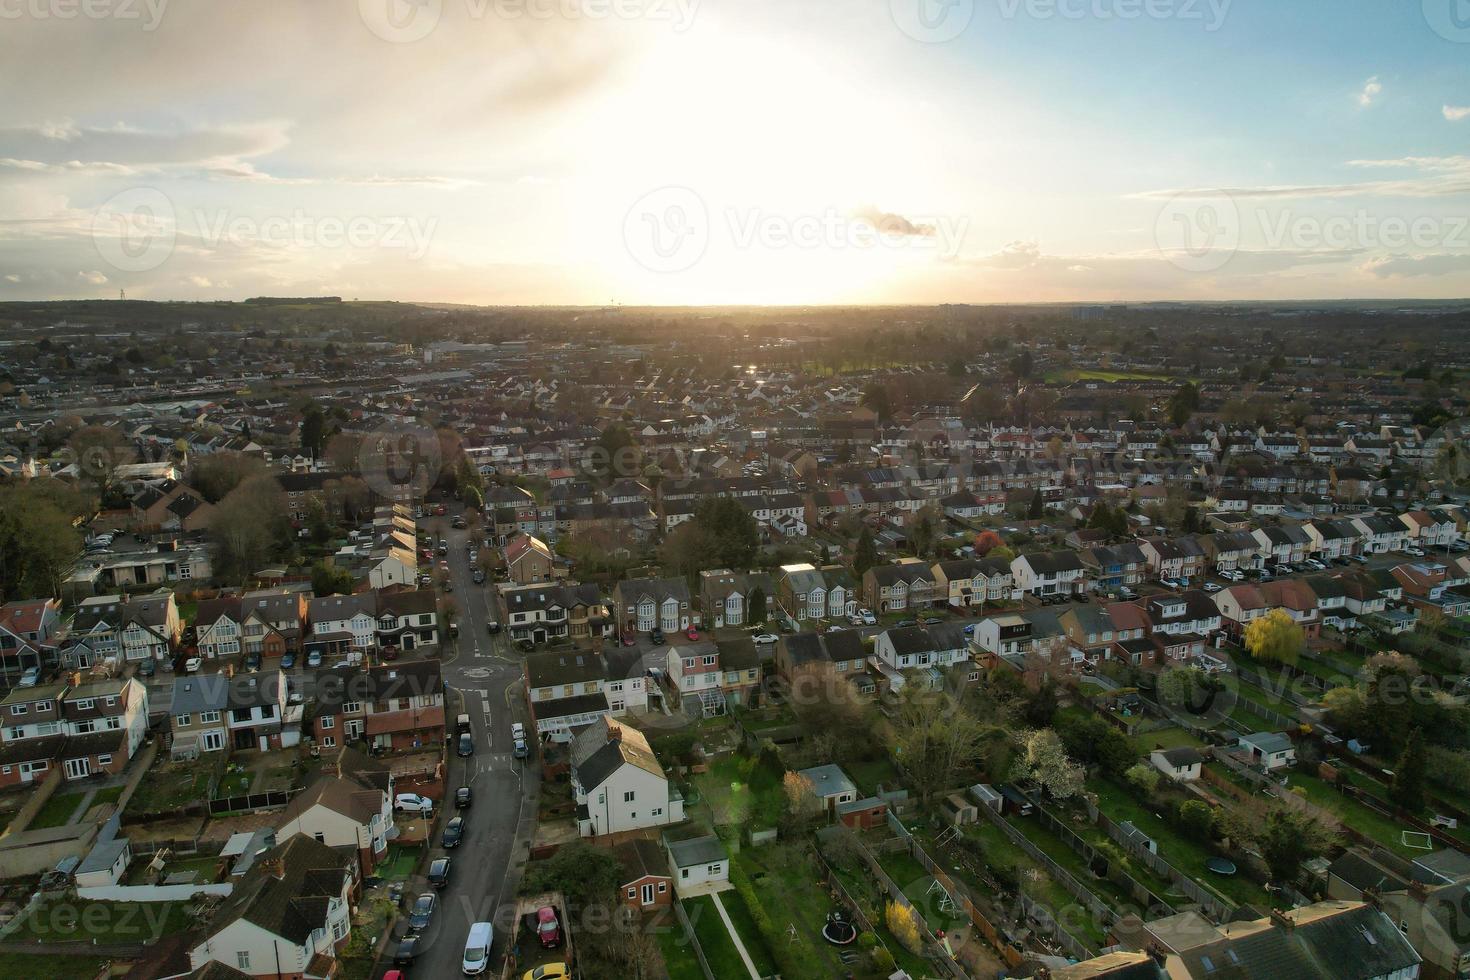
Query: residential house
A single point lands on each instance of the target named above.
(805, 592)
(725, 597)
(830, 787)
(618, 783)
(257, 713)
(27, 628)
(646, 884)
(643, 605)
(1381, 533)
(1284, 543)
(1114, 566)
(1183, 763)
(740, 671)
(286, 918)
(1231, 551)
(812, 661)
(395, 707)
(527, 560)
(350, 811)
(1049, 573)
(197, 715)
(171, 506)
(695, 675)
(1179, 559)
(105, 721)
(565, 690)
(904, 585)
(541, 613)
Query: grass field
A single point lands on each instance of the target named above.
(783, 879)
(714, 939)
(104, 922)
(37, 966)
(1185, 855)
(57, 811)
(750, 934)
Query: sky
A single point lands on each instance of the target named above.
(587, 152)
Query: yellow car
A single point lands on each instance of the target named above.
(551, 971)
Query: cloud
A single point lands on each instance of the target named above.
(62, 144)
(888, 223)
(12, 278)
(1456, 113)
(1416, 266)
(1438, 177)
(1372, 89)
(94, 277)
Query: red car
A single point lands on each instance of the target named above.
(692, 633)
(629, 640)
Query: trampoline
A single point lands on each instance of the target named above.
(1221, 866)
(838, 931)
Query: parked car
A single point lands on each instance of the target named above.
(192, 665)
(288, 660)
(477, 949)
(439, 872)
(765, 638)
(252, 660)
(422, 912)
(520, 749)
(31, 677)
(458, 522)
(412, 803)
(906, 622)
(969, 629)
(1213, 587)
(466, 745)
(692, 633)
(453, 833)
(867, 617)
(478, 576)
(656, 637)
(492, 627)
(550, 971)
(146, 668)
(407, 951)
(548, 927)
(463, 797)
(314, 659)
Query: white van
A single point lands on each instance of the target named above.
(477, 949)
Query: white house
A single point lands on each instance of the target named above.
(290, 911)
(1049, 573)
(618, 783)
(698, 865)
(353, 811)
(1183, 763)
(1273, 750)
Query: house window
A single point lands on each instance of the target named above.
(663, 886)
(18, 709)
(43, 706)
(328, 742)
(683, 873)
(242, 959)
(321, 838)
(632, 893)
(182, 720)
(658, 811)
(628, 796)
(206, 717)
(713, 869)
(104, 760)
(326, 722)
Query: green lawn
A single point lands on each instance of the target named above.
(750, 934)
(401, 862)
(105, 922)
(678, 953)
(870, 773)
(1363, 819)
(1185, 855)
(38, 966)
(783, 880)
(1168, 738)
(57, 811)
(741, 793)
(714, 939)
(109, 795)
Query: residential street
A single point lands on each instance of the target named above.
(483, 677)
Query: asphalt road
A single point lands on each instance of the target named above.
(481, 670)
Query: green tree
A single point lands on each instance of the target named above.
(755, 606)
(313, 431)
(1288, 839)
(330, 580)
(1197, 820)
(865, 556)
(1409, 775)
(249, 528)
(1274, 638)
(579, 870)
(1037, 507)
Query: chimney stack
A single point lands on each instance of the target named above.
(275, 866)
(1280, 921)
